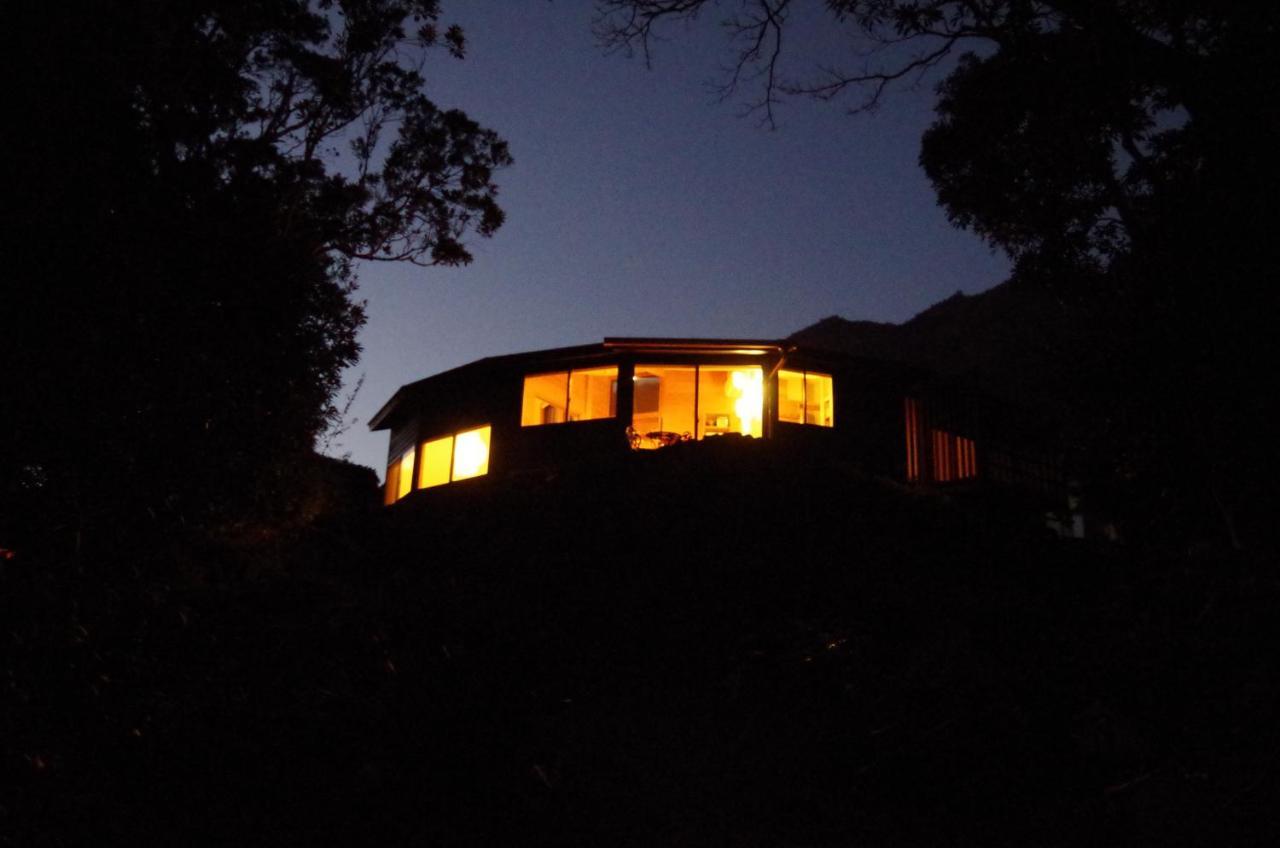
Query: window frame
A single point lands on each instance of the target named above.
(698, 433)
(804, 375)
(568, 394)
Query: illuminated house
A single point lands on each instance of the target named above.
(531, 413)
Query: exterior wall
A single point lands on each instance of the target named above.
(888, 419)
(868, 410)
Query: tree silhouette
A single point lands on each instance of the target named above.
(187, 187)
(1121, 152)
(1063, 126)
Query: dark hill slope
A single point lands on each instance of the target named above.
(717, 644)
(1017, 343)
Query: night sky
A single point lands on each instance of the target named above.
(639, 205)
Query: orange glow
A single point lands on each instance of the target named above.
(664, 408)
(912, 415)
(748, 387)
(392, 484)
(954, 457)
(678, 402)
(730, 400)
(819, 400)
(406, 474)
(460, 456)
(399, 477)
(583, 395)
(791, 396)
(546, 399)
(471, 453)
(806, 397)
(593, 393)
(437, 457)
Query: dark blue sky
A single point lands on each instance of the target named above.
(640, 206)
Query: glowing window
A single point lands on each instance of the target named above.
(437, 458)
(673, 403)
(471, 453)
(912, 420)
(806, 398)
(460, 456)
(664, 409)
(730, 400)
(791, 396)
(593, 394)
(819, 400)
(954, 457)
(546, 399)
(393, 483)
(400, 477)
(584, 395)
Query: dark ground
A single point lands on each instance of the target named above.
(709, 646)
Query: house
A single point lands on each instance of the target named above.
(532, 413)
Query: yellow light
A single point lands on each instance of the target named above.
(471, 453)
(434, 467)
(404, 483)
(748, 385)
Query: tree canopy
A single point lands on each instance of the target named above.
(1065, 129)
(188, 186)
(1118, 151)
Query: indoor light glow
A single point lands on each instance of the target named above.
(748, 385)
(404, 483)
(471, 453)
(434, 467)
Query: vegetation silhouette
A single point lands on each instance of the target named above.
(212, 637)
(1122, 155)
(718, 642)
(185, 195)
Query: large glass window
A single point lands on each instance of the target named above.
(664, 407)
(583, 395)
(471, 453)
(400, 477)
(674, 402)
(593, 394)
(546, 399)
(458, 456)
(805, 397)
(730, 400)
(437, 458)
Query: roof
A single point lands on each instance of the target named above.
(567, 356)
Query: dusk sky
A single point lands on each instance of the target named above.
(638, 205)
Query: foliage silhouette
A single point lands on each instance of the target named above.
(1122, 154)
(186, 191)
(714, 644)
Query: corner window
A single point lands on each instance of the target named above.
(437, 458)
(400, 477)
(447, 459)
(459, 456)
(581, 395)
(806, 397)
(471, 453)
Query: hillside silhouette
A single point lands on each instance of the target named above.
(718, 643)
(1023, 344)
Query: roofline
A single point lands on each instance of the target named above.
(674, 345)
(637, 344)
(376, 421)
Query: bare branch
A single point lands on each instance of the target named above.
(878, 82)
(757, 28)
